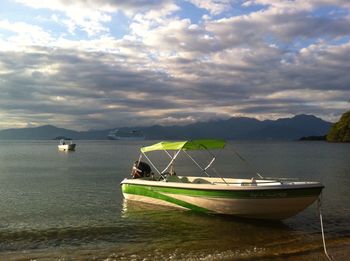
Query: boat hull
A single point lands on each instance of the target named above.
(251, 202)
(66, 147)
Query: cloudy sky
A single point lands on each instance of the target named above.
(98, 64)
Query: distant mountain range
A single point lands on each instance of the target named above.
(239, 128)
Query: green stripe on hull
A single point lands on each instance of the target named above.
(230, 194)
(149, 192)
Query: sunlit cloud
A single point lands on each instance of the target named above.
(72, 66)
(215, 7)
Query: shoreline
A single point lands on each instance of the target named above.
(338, 248)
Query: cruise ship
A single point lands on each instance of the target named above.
(125, 135)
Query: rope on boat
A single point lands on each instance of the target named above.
(319, 205)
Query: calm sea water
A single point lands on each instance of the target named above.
(68, 206)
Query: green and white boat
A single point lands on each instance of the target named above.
(262, 198)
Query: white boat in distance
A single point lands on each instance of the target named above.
(125, 135)
(260, 198)
(66, 146)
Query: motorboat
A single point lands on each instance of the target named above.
(257, 197)
(66, 146)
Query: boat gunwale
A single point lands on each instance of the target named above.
(221, 187)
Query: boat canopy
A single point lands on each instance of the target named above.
(186, 145)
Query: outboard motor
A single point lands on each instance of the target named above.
(140, 169)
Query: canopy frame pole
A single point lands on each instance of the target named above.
(211, 162)
(172, 161)
(197, 164)
(139, 160)
(152, 164)
(257, 172)
(168, 154)
(138, 163)
(218, 174)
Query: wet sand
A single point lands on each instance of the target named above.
(339, 249)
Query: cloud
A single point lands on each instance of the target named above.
(64, 82)
(298, 4)
(215, 7)
(92, 16)
(280, 26)
(278, 60)
(22, 34)
(98, 5)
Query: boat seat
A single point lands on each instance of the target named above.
(201, 181)
(173, 178)
(177, 179)
(184, 180)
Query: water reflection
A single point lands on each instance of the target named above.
(202, 232)
(58, 201)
